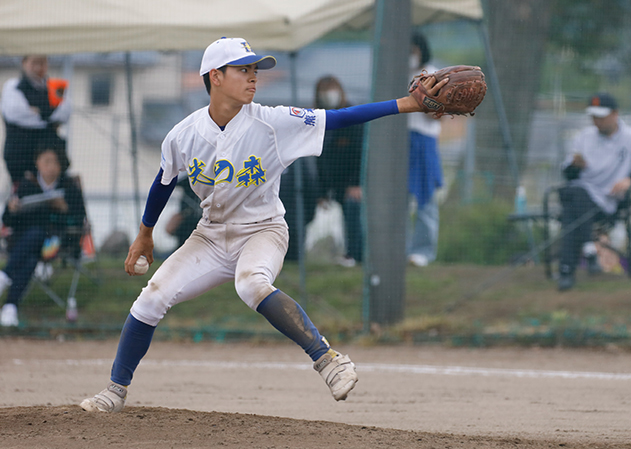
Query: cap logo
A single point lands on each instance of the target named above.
(595, 101)
(247, 47)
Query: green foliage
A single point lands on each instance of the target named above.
(588, 27)
(479, 234)
(521, 308)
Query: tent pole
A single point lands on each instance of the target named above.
(134, 136)
(385, 169)
(68, 74)
(494, 86)
(298, 191)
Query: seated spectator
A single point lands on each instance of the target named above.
(597, 170)
(33, 107)
(44, 207)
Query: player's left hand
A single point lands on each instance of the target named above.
(409, 103)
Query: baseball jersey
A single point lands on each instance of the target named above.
(608, 160)
(236, 172)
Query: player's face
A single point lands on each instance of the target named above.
(607, 125)
(239, 83)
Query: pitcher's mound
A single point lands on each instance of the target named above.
(70, 427)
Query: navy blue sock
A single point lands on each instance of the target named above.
(132, 347)
(290, 319)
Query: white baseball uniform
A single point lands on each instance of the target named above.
(236, 173)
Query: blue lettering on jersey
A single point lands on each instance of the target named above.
(310, 117)
(196, 173)
(223, 171)
(252, 173)
(221, 166)
(310, 120)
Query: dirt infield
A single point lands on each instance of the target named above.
(267, 396)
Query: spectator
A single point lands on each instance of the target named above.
(425, 172)
(339, 167)
(33, 107)
(597, 170)
(182, 223)
(45, 205)
(310, 192)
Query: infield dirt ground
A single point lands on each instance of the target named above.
(267, 396)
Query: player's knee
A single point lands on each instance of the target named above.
(152, 304)
(253, 287)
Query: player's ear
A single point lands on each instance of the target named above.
(215, 77)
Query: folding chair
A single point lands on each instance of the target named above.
(76, 249)
(551, 213)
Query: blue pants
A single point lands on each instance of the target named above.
(25, 253)
(422, 233)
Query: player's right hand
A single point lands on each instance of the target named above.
(578, 161)
(142, 246)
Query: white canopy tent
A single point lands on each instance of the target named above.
(77, 26)
(74, 26)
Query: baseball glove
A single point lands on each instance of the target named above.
(463, 92)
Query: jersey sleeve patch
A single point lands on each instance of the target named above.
(308, 115)
(296, 112)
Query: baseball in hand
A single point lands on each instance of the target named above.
(141, 266)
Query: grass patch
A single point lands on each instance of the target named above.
(516, 308)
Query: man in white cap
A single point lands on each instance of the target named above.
(234, 152)
(598, 169)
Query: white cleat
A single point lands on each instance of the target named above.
(110, 400)
(338, 372)
(9, 315)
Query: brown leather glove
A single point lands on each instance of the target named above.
(464, 91)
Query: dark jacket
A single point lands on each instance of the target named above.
(42, 214)
(339, 166)
(20, 142)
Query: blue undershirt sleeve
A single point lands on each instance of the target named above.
(159, 194)
(354, 115)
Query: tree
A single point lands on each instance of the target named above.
(518, 32)
(521, 33)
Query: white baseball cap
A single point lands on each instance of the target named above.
(232, 51)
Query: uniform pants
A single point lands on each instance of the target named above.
(251, 255)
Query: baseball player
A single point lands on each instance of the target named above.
(234, 152)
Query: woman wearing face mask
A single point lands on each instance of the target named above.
(425, 172)
(339, 167)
